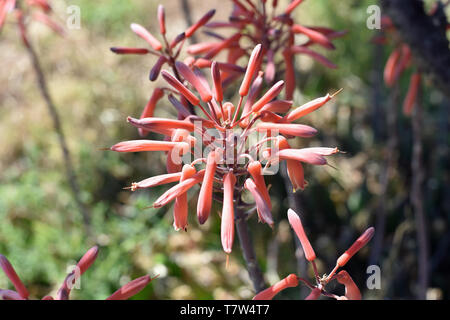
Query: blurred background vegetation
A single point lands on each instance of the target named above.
(41, 229)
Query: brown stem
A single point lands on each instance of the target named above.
(417, 200)
(248, 251)
(388, 168)
(70, 173)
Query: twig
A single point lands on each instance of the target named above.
(417, 199)
(389, 165)
(248, 251)
(70, 173)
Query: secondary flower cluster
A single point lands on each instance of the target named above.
(223, 133)
(37, 10)
(257, 22)
(21, 292)
(351, 289)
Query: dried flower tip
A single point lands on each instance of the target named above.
(146, 35)
(356, 246)
(289, 282)
(174, 82)
(251, 70)
(296, 224)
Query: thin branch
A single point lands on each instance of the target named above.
(417, 200)
(248, 251)
(70, 172)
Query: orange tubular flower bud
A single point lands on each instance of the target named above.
(180, 87)
(162, 19)
(351, 290)
(205, 195)
(313, 35)
(179, 189)
(228, 109)
(289, 73)
(201, 87)
(254, 91)
(316, 56)
(411, 96)
(308, 107)
(391, 66)
(156, 181)
(296, 174)
(281, 106)
(314, 295)
(150, 107)
(301, 155)
(161, 124)
(123, 50)
(173, 161)
(292, 6)
(130, 289)
(251, 70)
(203, 20)
(85, 262)
(180, 209)
(255, 170)
(268, 96)
(227, 223)
(12, 275)
(154, 72)
(149, 145)
(356, 246)
(296, 224)
(290, 281)
(218, 91)
(298, 130)
(201, 47)
(262, 206)
(222, 45)
(147, 36)
(88, 259)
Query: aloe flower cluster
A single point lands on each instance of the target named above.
(21, 293)
(22, 11)
(262, 22)
(220, 141)
(400, 60)
(352, 291)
